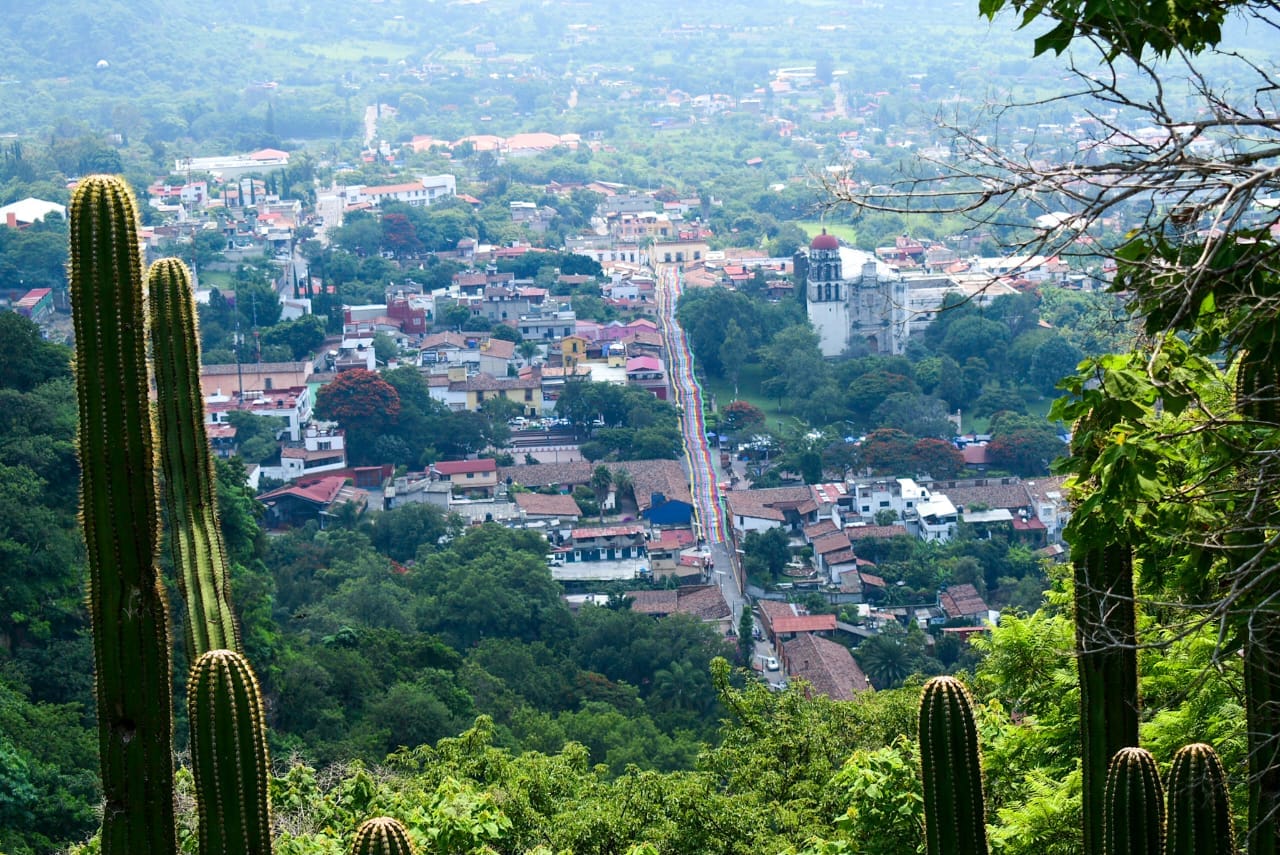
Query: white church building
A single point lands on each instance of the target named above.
(855, 300)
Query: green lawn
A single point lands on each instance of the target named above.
(749, 391)
(844, 231)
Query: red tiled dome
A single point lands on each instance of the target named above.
(825, 241)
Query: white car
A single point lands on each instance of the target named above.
(771, 663)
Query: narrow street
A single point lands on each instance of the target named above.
(710, 519)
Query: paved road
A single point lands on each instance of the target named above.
(710, 520)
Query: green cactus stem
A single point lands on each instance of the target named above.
(1133, 819)
(1199, 817)
(128, 611)
(190, 501)
(1106, 641)
(229, 755)
(381, 835)
(1258, 401)
(951, 771)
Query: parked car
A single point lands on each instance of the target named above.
(771, 663)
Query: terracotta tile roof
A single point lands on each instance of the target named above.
(835, 542)
(827, 666)
(656, 476)
(962, 601)
(784, 618)
(1007, 496)
(770, 504)
(1040, 488)
(483, 382)
(672, 538)
(658, 603)
(819, 529)
(843, 557)
(568, 474)
(461, 467)
(543, 505)
(321, 491)
(704, 602)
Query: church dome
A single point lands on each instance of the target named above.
(825, 241)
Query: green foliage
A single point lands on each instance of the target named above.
(26, 359)
(1164, 28)
(886, 809)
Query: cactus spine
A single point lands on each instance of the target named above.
(1199, 817)
(951, 769)
(121, 520)
(1133, 819)
(1107, 662)
(195, 538)
(229, 755)
(381, 835)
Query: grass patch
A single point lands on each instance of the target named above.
(844, 231)
(749, 391)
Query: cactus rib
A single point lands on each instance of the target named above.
(951, 769)
(1133, 820)
(1199, 815)
(121, 521)
(195, 537)
(229, 755)
(381, 835)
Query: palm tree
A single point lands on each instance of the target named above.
(601, 481)
(528, 349)
(622, 484)
(885, 660)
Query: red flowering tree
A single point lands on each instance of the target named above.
(363, 404)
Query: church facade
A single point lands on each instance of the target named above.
(854, 301)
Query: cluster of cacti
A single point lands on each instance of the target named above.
(1106, 634)
(121, 521)
(122, 525)
(951, 771)
(122, 529)
(381, 835)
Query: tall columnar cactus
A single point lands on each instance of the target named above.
(951, 769)
(127, 606)
(229, 755)
(1258, 400)
(1133, 819)
(1199, 817)
(1107, 662)
(195, 538)
(381, 835)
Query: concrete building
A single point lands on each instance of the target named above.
(854, 301)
